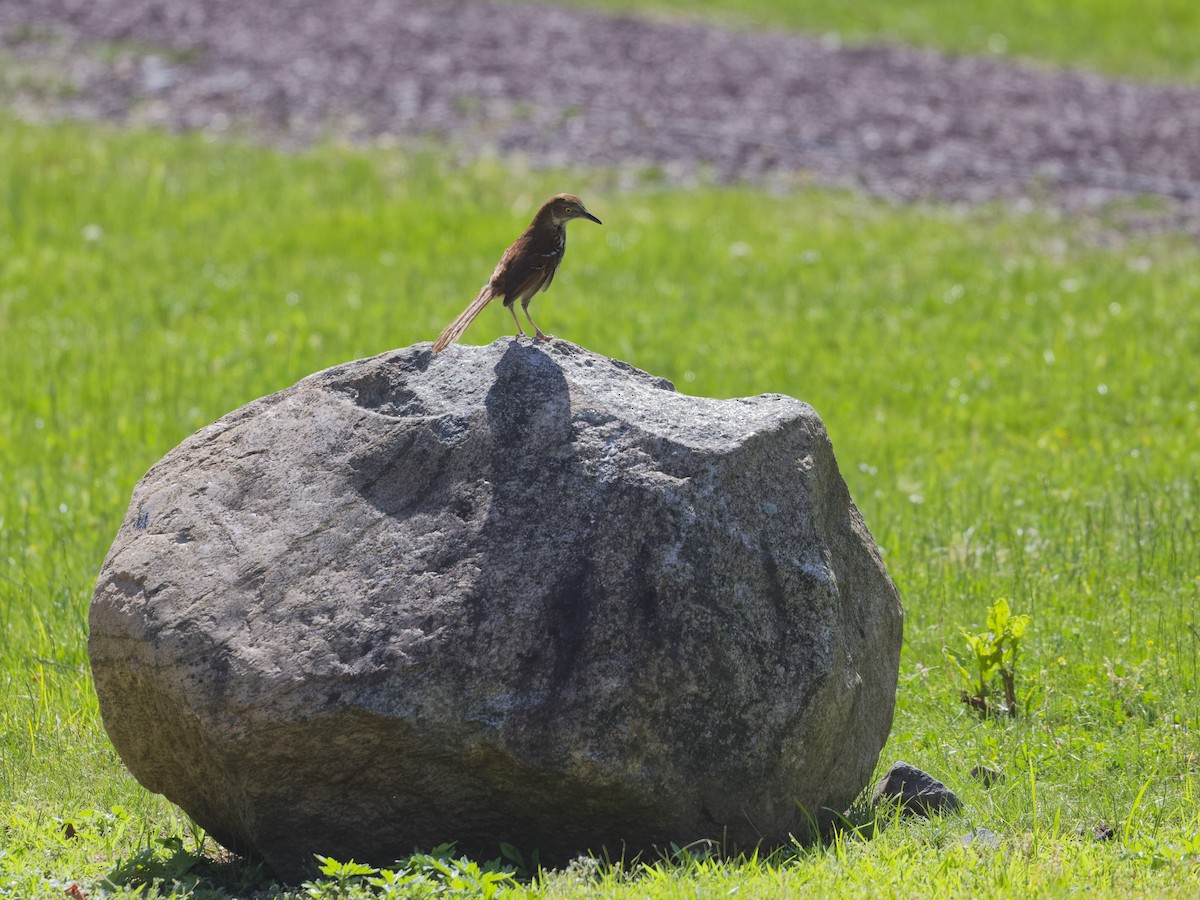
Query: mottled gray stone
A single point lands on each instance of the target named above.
(516, 592)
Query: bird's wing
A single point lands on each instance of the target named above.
(529, 274)
(550, 276)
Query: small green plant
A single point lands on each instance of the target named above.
(338, 877)
(514, 856)
(995, 653)
(435, 874)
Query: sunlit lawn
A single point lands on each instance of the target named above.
(1013, 405)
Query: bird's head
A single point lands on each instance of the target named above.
(562, 208)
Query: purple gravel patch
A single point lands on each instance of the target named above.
(570, 87)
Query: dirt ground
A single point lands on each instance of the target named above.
(575, 88)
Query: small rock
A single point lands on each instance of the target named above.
(986, 775)
(915, 791)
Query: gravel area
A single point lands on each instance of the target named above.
(563, 86)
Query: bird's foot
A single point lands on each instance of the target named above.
(542, 336)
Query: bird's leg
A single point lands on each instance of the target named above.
(520, 330)
(541, 335)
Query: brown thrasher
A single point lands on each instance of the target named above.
(528, 266)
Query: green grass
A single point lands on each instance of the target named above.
(1013, 405)
(1152, 39)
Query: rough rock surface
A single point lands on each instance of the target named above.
(513, 592)
(917, 792)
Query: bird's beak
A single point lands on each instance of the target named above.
(588, 215)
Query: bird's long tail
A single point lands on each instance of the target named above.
(456, 328)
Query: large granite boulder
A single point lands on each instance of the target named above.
(516, 593)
